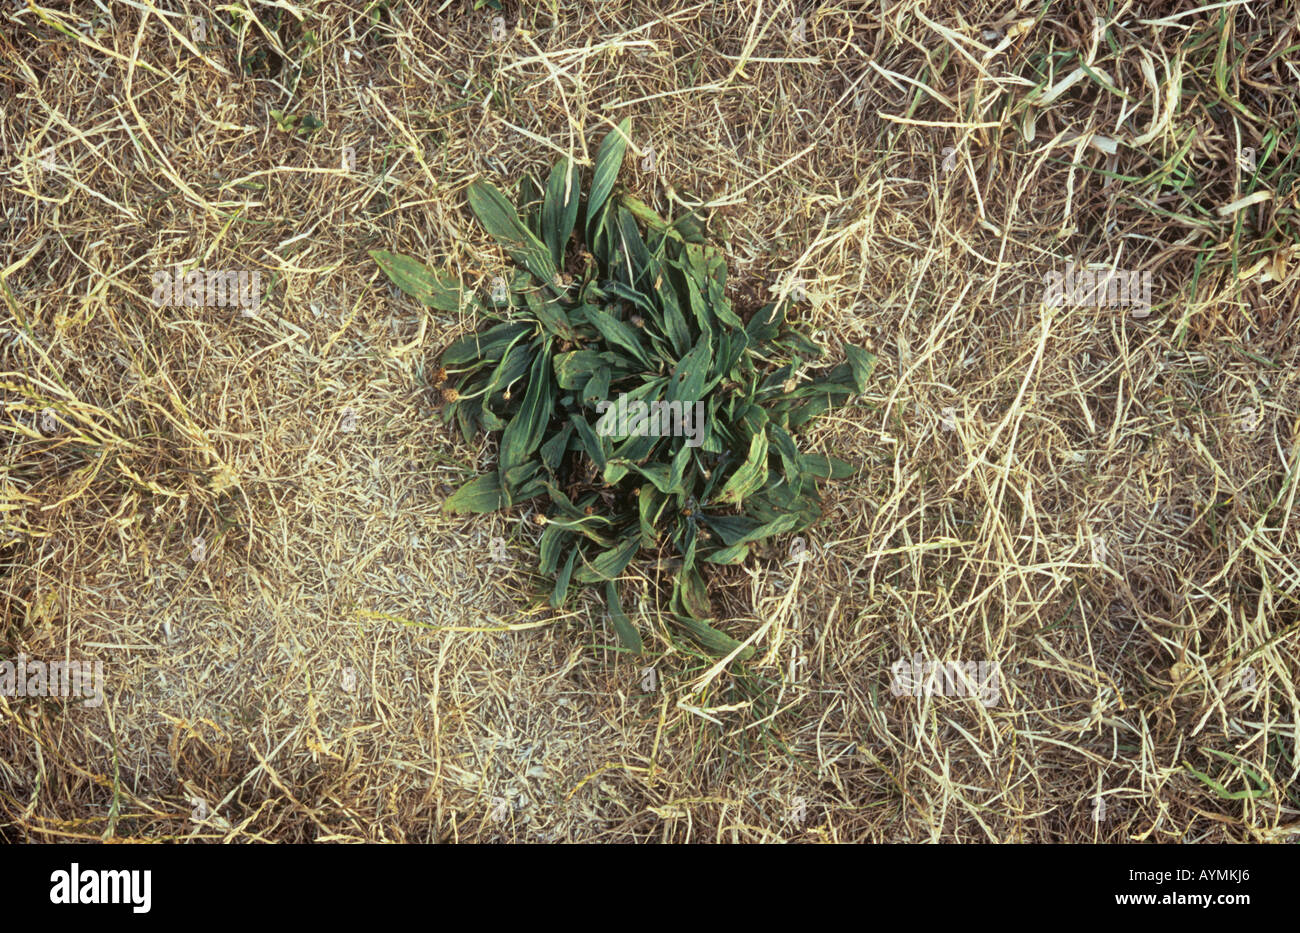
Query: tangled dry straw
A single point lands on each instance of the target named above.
(239, 513)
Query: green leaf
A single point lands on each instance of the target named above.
(675, 326)
(861, 363)
(480, 495)
(515, 479)
(719, 643)
(555, 446)
(608, 564)
(616, 332)
(647, 215)
(524, 433)
(729, 555)
(804, 413)
(650, 503)
(694, 595)
(530, 204)
(691, 227)
(634, 247)
(514, 363)
(584, 527)
(766, 323)
(597, 388)
(487, 345)
(657, 473)
(465, 420)
(692, 372)
(741, 529)
(499, 218)
(750, 475)
(678, 474)
(1260, 790)
(591, 443)
(627, 633)
(419, 281)
(628, 293)
(574, 369)
(548, 550)
(561, 589)
(782, 510)
(560, 211)
(609, 159)
(551, 315)
(827, 467)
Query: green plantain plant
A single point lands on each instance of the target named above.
(598, 309)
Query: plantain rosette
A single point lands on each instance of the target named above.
(608, 299)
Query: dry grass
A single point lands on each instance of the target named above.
(1108, 510)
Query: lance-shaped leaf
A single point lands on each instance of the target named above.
(650, 503)
(766, 323)
(657, 473)
(781, 509)
(499, 219)
(586, 526)
(524, 433)
(617, 333)
(827, 467)
(488, 345)
(686, 228)
(466, 420)
(596, 447)
(692, 372)
(530, 204)
(597, 388)
(561, 589)
(860, 363)
(551, 314)
(675, 326)
(732, 529)
(680, 471)
(718, 643)
(560, 211)
(608, 564)
(441, 291)
(554, 538)
(634, 248)
(513, 365)
(627, 633)
(609, 159)
(628, 293)
(686, 539)
(574, 369)
(693, 595)
(729, 555)
(556, 445)
(750, 475)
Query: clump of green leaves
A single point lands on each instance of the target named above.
(609, 299)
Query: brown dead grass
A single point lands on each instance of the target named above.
(1108, 510)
